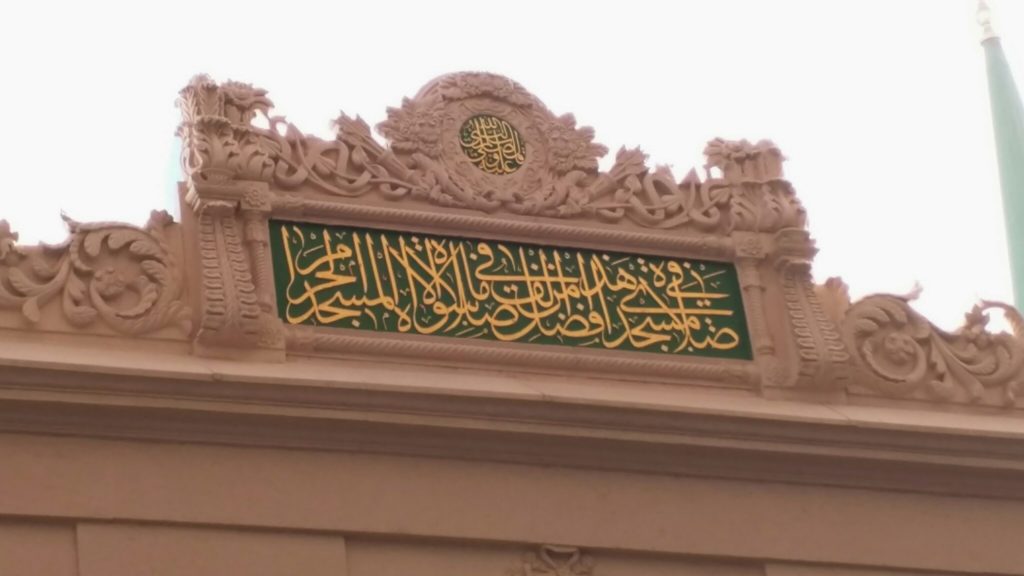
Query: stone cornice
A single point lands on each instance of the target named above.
(494, 417)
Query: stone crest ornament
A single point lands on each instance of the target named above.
(497, 119)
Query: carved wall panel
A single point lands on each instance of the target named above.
(467, 149)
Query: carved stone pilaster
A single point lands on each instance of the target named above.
(228, 165)
(820, 359)
(751, 252)
(229, 311)
(255, 208)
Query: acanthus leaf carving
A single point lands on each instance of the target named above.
(219, 142)
(904, 355)
(125, 277)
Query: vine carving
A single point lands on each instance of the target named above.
(906, 356)
(743, 188)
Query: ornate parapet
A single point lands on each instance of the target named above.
(476, 155)
(483, 233)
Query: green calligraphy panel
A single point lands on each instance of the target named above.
(368, 279)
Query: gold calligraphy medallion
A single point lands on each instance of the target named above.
(492, 144)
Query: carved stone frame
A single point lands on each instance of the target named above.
(240, 176)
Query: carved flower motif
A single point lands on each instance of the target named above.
(242, 101)
(110, 283)
(721, 152)
(461, 86)
(899, 348)
(413, 128)
(570, 148)
(750, 247)
(255, 199)
(740, 158)
(8, 240)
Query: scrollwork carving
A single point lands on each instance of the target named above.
(906, 356)
(743, 189)
(124, 277)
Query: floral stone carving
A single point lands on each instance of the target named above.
(426, 160)
(906, 356)
(119, 275)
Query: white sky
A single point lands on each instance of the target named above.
(880, 105)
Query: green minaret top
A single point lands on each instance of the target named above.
(1008, 126)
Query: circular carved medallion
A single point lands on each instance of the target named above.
(492, 144)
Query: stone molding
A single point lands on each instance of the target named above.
(618, 426)
(527, 358)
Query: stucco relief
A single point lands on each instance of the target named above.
(559, 178)
(228, 169)
(121, 276)
(902, 355)
(820, 358)
(555, 561)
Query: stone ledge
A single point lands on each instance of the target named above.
(416, 410)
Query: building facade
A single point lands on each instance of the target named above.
(471, 351)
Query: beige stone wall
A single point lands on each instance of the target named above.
(124, 549)
(111, 508)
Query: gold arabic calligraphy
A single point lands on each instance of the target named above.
(492, 144)
(408, 283)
